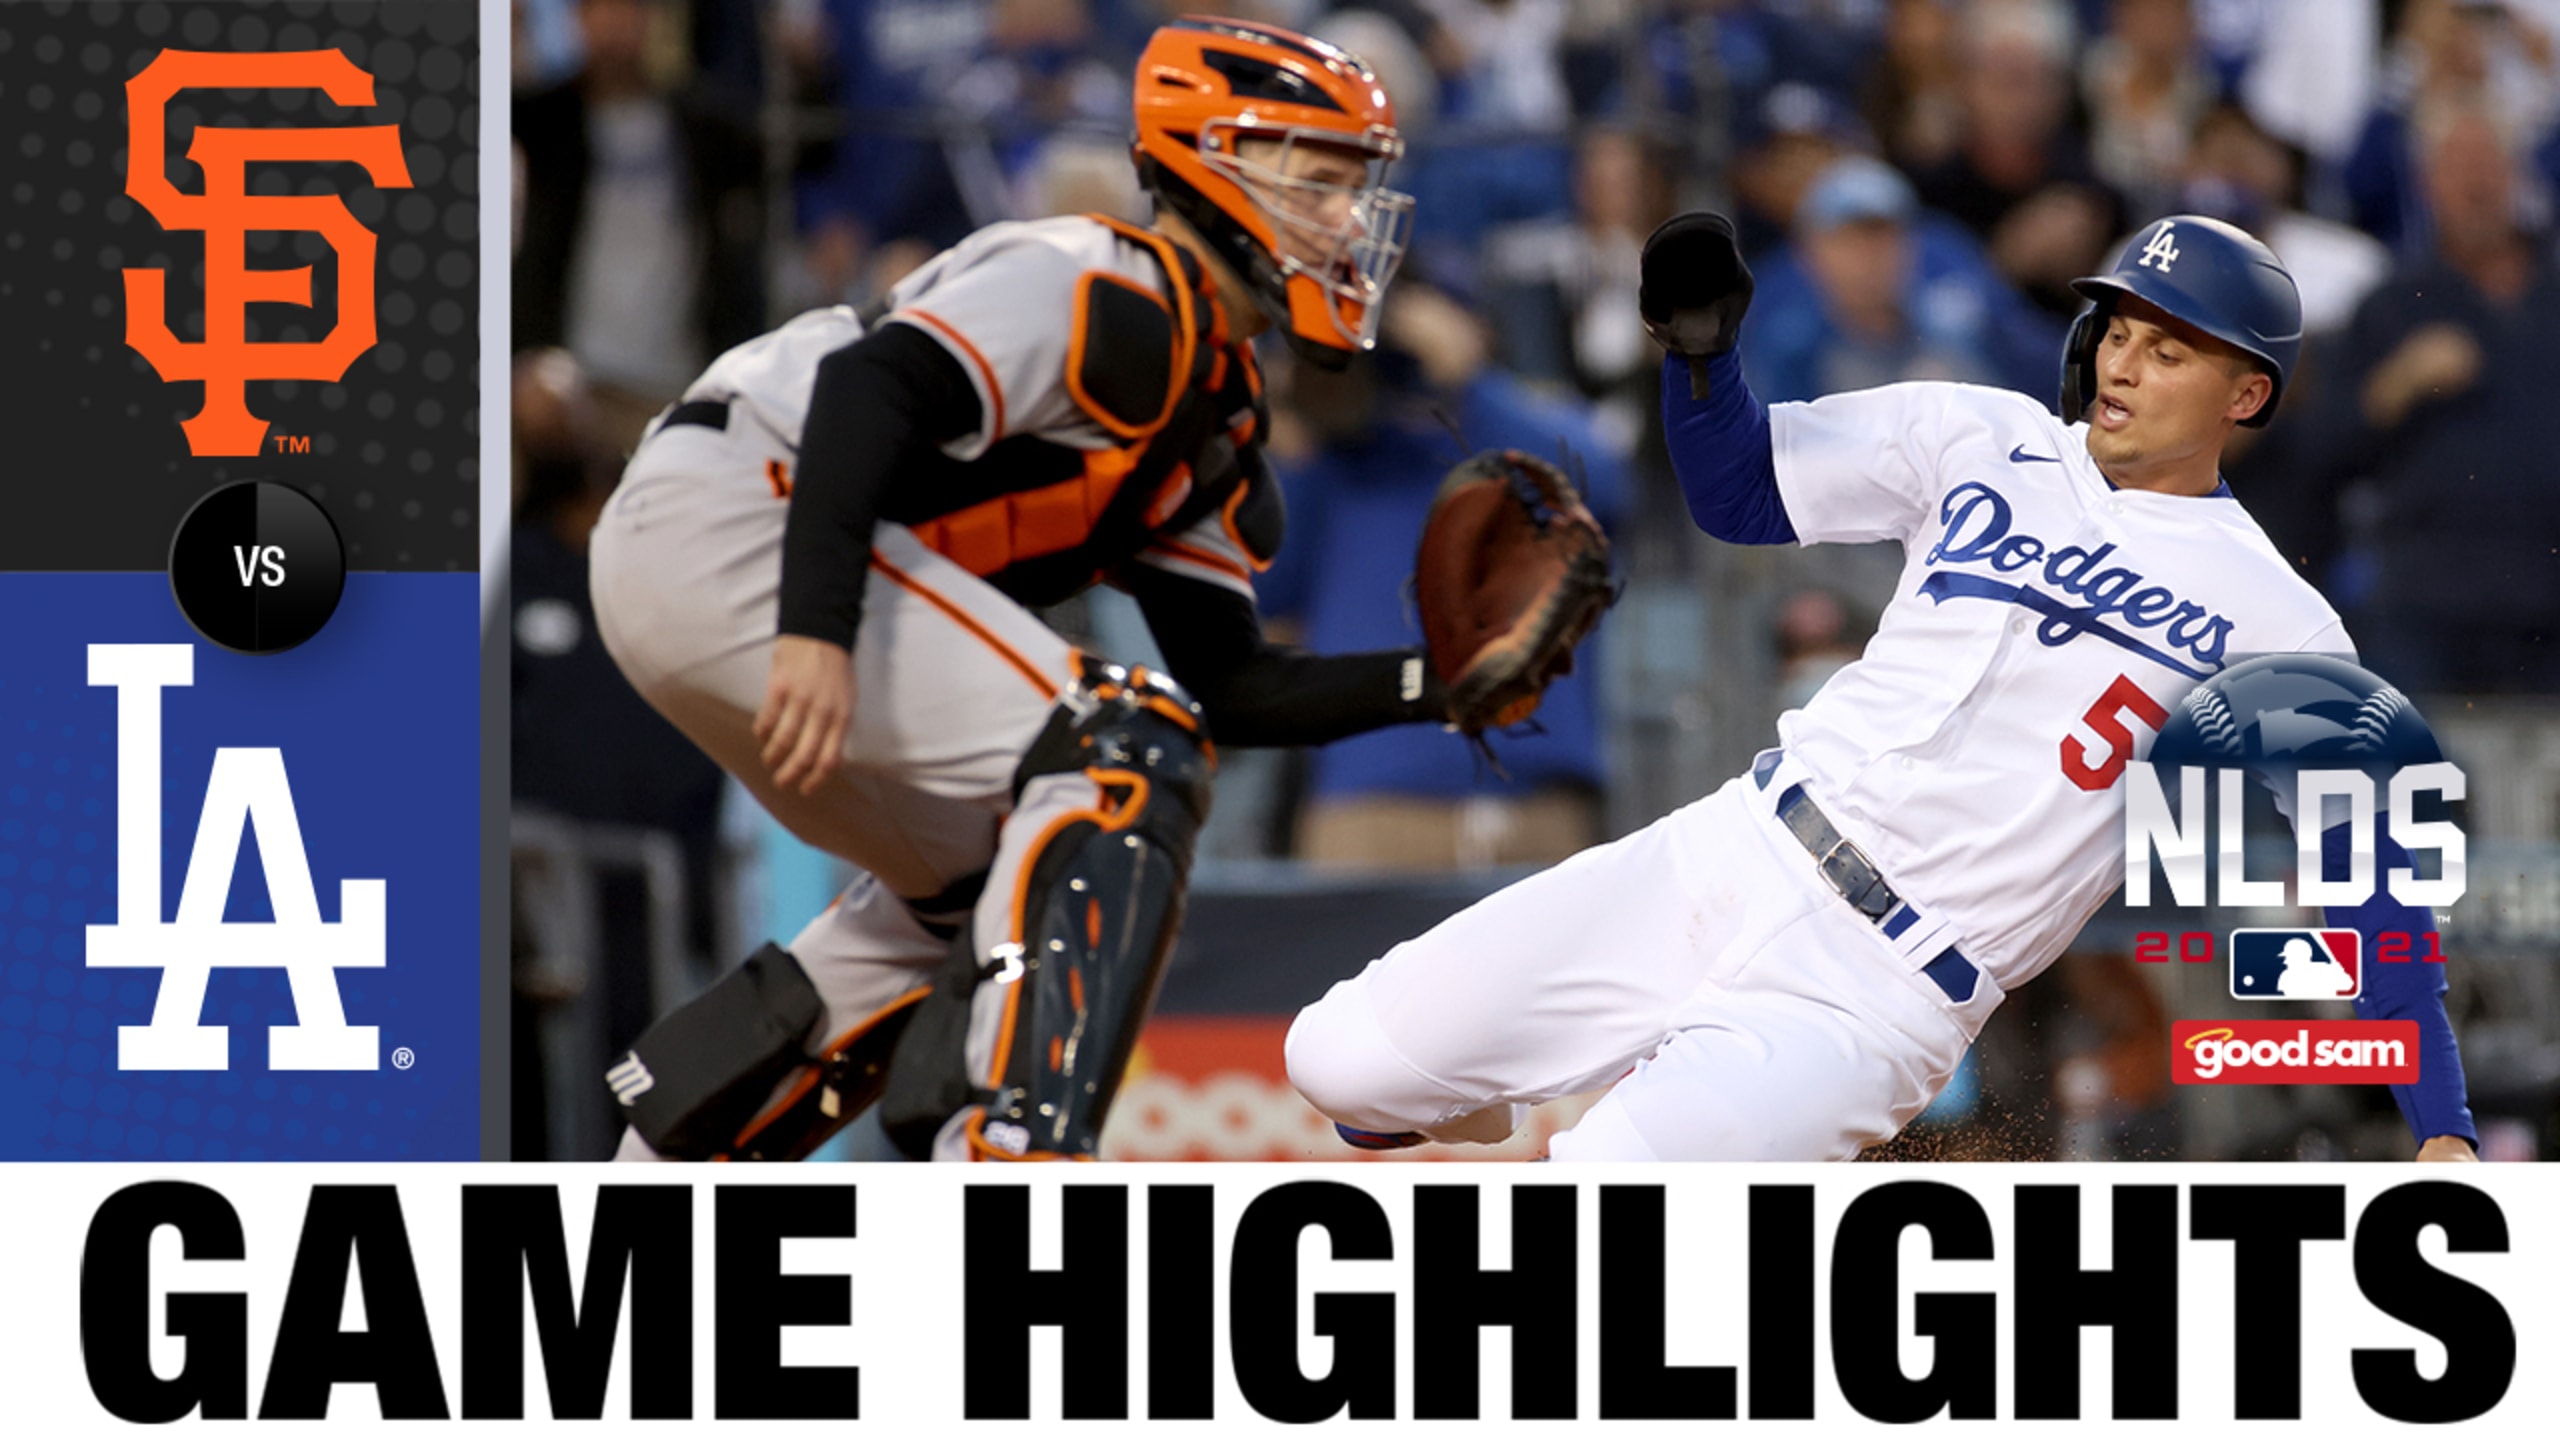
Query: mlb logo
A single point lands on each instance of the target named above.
(2295, 965)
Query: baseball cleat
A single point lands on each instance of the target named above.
(1378, 1140)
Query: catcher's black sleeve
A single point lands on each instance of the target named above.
(1258, 693)
(878, 406)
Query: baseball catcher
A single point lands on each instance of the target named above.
(822, 566)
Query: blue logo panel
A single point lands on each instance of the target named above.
(323, 1006)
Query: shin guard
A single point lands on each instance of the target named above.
(1097, 897)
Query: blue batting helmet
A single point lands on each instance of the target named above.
(2217, 277)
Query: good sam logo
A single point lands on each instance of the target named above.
(226, 360)
(2294, 1052)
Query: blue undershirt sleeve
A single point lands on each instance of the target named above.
(2411, 989)
(1722, 452)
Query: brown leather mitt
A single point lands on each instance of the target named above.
(1512, 572)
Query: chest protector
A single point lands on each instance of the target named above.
(1155, 369)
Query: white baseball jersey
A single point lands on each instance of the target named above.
(2045, 624)
(1734, 1004)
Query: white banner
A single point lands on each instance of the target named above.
(791, 1300)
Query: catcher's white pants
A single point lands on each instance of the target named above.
(1752, 1014)
(952, 682)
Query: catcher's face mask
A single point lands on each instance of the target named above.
(1338, 233)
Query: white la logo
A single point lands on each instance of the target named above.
(248, 787)
(2161, 251)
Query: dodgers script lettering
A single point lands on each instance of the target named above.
(1978, 527)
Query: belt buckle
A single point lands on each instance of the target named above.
(1872, 878)
(1834, 872)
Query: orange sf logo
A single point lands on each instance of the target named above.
(225, 360)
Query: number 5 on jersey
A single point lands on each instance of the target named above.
(2082, 762)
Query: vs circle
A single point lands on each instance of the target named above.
(257, 567)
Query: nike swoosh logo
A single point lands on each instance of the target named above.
(2018, 456)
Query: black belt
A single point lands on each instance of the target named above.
(710, 414)
(1842, 863)
(1846, 869)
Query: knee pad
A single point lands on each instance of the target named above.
(700, 1083)
(1098, 897)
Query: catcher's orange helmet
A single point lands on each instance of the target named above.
(1317, 253)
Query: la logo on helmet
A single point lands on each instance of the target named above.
(2162, 250)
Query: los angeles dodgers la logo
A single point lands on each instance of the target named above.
(225, 360)
(2163, 249)
(248, 788)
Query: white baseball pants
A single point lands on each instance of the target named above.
(1742, 1008)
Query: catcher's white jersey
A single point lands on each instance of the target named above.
(2044, 625)
(1000, 301)
(1006, 303)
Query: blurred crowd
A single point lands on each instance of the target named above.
(1916, 182)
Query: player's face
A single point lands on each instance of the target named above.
(2168, 396)
(1314, 189)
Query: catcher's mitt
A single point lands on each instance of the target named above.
(1512, 572)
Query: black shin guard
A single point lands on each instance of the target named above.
(694, 1079)
(1101, 900)
(831, 1093)
(699, 1084)
(928, 1079)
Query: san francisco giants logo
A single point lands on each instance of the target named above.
(226, 212)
